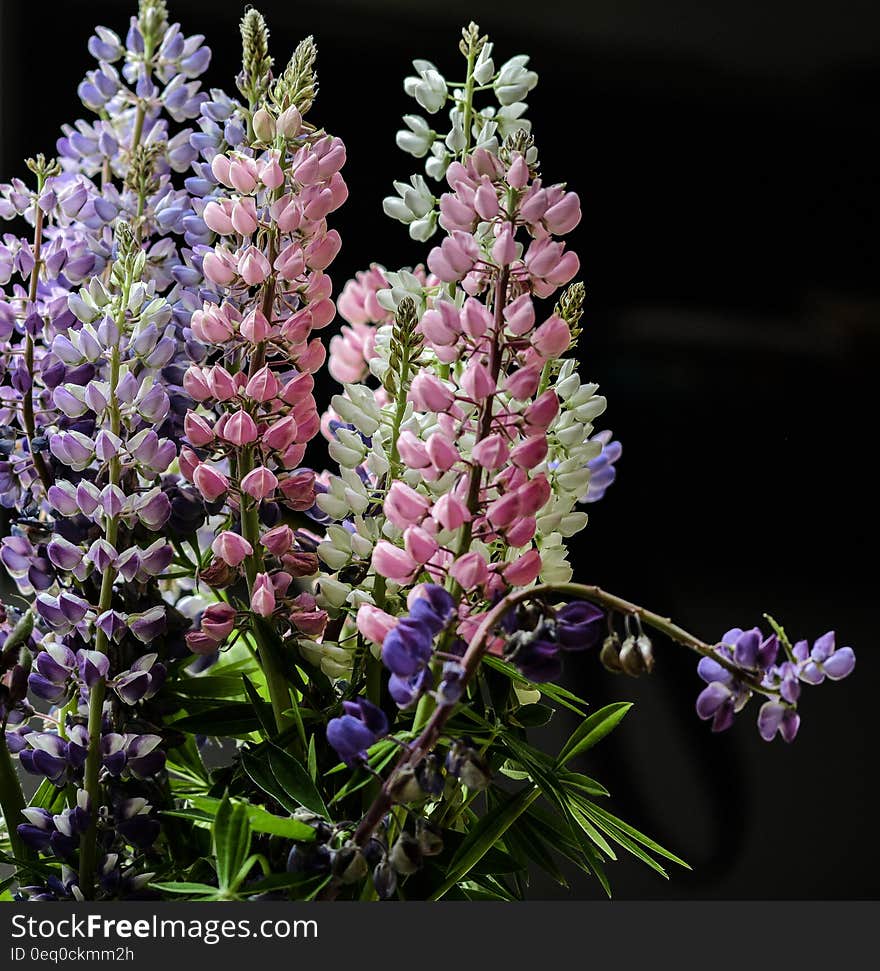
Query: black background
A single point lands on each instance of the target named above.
(724, 153)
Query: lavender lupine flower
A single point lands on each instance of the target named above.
(354, 732)
(602, 470)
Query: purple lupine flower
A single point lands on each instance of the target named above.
(407, 648)
(601, 467)
(407, 690)
(724, 694)
(578, 625)
(354, 732)
(145, 758)
(824, 659)
(149, 625)
(777, 717)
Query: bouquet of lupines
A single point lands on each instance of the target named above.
(224, 675)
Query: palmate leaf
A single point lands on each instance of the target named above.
(231, 834)
(608, 821)
(296, 781)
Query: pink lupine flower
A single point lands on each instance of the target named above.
(243, 174)
(522, 531)
(393, 563)
(518, 173)
(218, 621)
(419, 543)
(231, 547)
(504, 510)
(240, 429)
(477, 382)
(280, 434)
(450, 512)
(211, 483)
(219, 266)
(530, 452)
(260, 483)
(244, 216)
(524, 569)
(504, 247)
(441, 325)
(221, 383)
(534, 495)
(523, 383)
(290, 262)
(491, 452)
(254, 327)
(263, 596)
(454, 257)
(218, 217)
(263, 386)
(351, 351)
(442, 453)
(197, 430)
(404, 506)
(278, 540)
(374, 623)
(412, 451)
(211, 325)
(429, 393)
(253, 267)
(552, 338)
(470, 570)
(542, 411)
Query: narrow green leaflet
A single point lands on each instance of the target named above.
(599, 814)
(261, 820)
(187, 889)
(232, 840)
(296, 781)
(593, 729)
(235, 718)
(263, 713)
(257, 768)
(484, 836)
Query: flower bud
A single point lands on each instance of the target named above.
(264, 125)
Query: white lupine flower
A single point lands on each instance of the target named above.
(455, 140)
(334, 557)
(438, 163)
(429, 88)
(346, 457)
(421, 230)
(555, 565)
(332, 592)
(419, 139)
(514, 82)
(335, 506)
(484, 66)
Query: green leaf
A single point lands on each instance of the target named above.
(209, 686)
(285, 881)
(232, 840)
(235, 719)
(312, 760)
(593, 730)
(257, 768)
(598, 813)
(264, 714)
(484, 836)
(48, 796)
(261, 820)
(583, 783)
(296, 781)
(533, 716)
(189, 889)
(562, 696)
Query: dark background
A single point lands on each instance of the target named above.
(724, 153)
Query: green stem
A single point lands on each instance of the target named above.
(467, 120)
(11, 801)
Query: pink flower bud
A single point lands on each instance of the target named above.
(263, 386)
(254, 327)
(476, 382)
(393, 563)
(279, 540)
(286, 213)
(504, 247)
(524, 570)
(281, 434)
(450, 512)
(563, 216)
(533, 205)
(244, 216)
(271, 173)
(218, 621)
(195, 384)
(220, 168)
(454, 257)
(552, 338)
(470, 570)
(530, 453)
(299, 490)
(323, 312)
(240, 429)
(520, 315)
(188, 463)
(565, 269)
(320, 253)
(439, 326)
(419, 543)
(260, 483)
(253, 266)
(442, 453)
(263, 596)
(523, 383)
(197, 430)
(219, 267)
(518, 173)
(491, 452)
(404, 506)
(374, 624)
(231, 548)
(290, 262)
(486, 200)
(412, 451)
(199, 642)
(289, 122)
(475, 318)
(534, 495)
(210, 482)
(217, 216)
(242, 174)
(221, 383)
(522, 531)
(543, 410)
(503, 511)
(429, 393)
